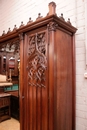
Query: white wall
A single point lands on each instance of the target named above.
(14, 11)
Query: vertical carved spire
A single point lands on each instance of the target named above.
(52, 8)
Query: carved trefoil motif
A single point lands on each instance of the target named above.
(37, 62)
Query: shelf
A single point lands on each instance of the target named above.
(4, 107)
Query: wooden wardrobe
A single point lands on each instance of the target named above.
(47, 72)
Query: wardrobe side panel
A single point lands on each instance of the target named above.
(64, 80)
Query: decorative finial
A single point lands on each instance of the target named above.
(9, 30)
(3, 33)
(52, 8)
(22, 24)
(29, 21)
(61, 17)
(14, 28)
(39, 16)
(69, 21)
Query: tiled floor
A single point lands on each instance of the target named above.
(10, 124)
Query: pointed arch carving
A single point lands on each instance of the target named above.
(37, 61)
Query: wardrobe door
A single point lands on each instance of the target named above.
(36, 80)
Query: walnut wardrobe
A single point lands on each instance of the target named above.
(47, 72)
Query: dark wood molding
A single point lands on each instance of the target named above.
(38, 23)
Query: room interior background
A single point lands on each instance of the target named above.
(14, 12)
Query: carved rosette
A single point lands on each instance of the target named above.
(37, 62)
(52, 26)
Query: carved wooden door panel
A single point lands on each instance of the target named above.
(36, 80)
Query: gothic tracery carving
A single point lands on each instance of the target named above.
(37, 62)
(40, 42)
(10, 45)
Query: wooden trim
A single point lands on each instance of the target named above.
(40, 22)
(73, 84)
(21, 82)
